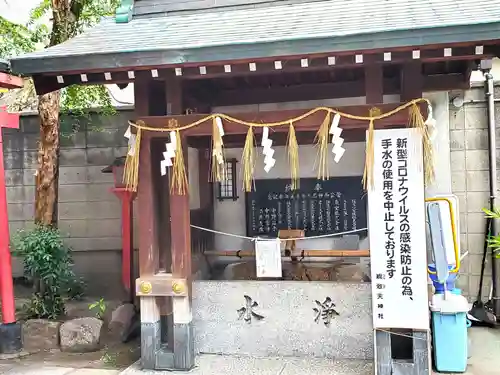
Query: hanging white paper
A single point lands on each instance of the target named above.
(268, 258)
(173, 140)
(338, 152)
(336, 134)
(131, 145)
(335, 123)
(269, 164)
(267, 150)
(267, 144)
(170, 154)
(269, 154)
(128, 133)
(265, 134)
(218, 121)
(163, 166)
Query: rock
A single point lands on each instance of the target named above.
(302, 271)
(121, 320)
(200, 267)
(241, 271)
(337, 271)
(81, 335)
(41, 334)
(349, 272)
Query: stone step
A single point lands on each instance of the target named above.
(230, 365)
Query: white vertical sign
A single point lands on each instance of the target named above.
(268, 258)
(396, 214)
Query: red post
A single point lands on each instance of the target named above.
(7, 120)
(127, 241)
(127, 199)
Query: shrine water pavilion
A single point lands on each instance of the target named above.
(251, 120)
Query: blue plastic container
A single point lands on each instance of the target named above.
(449, 332)
(450, 281)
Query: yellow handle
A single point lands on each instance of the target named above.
(453, 230)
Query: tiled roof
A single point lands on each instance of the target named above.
(280, 23)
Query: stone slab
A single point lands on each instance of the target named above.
(91, 371)
(288, 327)
(229, 365)
(41, 334)
(38, 370)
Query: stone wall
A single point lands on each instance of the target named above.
(89, 214)
(470, 181)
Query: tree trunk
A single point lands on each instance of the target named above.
(47, 176)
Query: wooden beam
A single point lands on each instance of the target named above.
(297, 254)
(279, 139)
(315, 62)
(349, 59)
(308, 91)
(318, 91)
(8, 81)
(205, 186)
(411, 81)
(310, 123)
(374, 84)
(446, 82)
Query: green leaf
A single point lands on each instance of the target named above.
(492, 214)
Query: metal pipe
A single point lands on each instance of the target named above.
(489, 94)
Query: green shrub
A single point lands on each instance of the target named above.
(47, 261)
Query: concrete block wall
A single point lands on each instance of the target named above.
(470, 182)
(89, 214)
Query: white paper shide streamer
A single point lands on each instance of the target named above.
(217, 151)
(169, 153)
(337, 141)
(131, 141)
(267, 150)
(430, 122)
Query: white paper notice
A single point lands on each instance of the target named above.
(396, 210)
(268, 258)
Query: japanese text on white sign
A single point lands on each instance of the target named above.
(396, 212)
(268, 258)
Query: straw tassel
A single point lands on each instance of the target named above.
(178, 182)
(131, 170)
(218, 172)
(248, 161)
(416, 120)
(368, 172)
(293, 157)
(321, 142)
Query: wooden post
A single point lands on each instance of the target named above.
(148, 236)
(181, 251)
(205, 190)
(411, 81)
(374, 84)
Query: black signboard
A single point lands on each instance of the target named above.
(319, 207)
